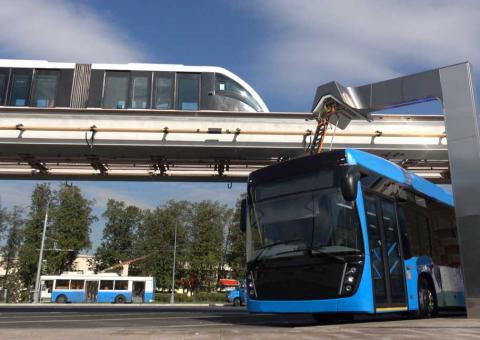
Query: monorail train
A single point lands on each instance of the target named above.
(30, 83)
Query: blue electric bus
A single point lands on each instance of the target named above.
(348, 232)
(96, 288)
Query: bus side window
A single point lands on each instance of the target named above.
(424, 242)
(106, 284)
(402, 223)
(121, 285)
(62, 284)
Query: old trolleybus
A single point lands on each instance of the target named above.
(74, 287)
(349, 232)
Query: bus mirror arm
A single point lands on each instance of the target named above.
(349, 182)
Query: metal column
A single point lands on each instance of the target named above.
(462, 123)
(454, 87)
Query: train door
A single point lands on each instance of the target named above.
(388, 274)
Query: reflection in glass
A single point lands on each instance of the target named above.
(116, 90)
(3, 85)
(188, 92)
(163, 89)
(20, 89)
(140, 95)
(45, 88)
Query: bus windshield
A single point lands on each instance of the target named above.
(289, 220)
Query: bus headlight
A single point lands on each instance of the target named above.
(350, 278)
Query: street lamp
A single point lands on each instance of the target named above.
(172, 295)
(36, 294)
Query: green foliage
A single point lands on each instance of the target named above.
(69, 229)
(119, 235)
(210, 297)
(207, 239)
(9, 253)
(156, 238)
(28, 254)
(236, 252)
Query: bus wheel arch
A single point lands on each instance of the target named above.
(62, 298)
(427, 297)
(120, 299)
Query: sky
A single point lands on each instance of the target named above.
(282, 48)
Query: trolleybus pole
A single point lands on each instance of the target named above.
(172, 296)
(36, 295)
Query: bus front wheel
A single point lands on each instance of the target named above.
(120, 299)
(237, 302)
(61, 299)
(427, 305)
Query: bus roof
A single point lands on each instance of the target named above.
(398, 174)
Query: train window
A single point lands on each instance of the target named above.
(20, 87)
(163, 90)
(188, 91)
(45, 87)
(3, 86)
(116, 90)
(140, 93)
(228, 87)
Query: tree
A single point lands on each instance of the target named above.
(9, 253)
(207, 236)
(28, 254)
(3, 218)
(69, 230)
(119, 235)
(156, 238)
(236, 251)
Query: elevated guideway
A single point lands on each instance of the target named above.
(90, 144)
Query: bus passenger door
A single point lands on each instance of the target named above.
(138, 292)
(388, 274)
(91, 291)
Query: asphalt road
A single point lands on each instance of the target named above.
(152, 322)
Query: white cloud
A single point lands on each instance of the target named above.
(351, 41)
(59, 30)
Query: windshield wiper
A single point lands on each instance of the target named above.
(319, 251)
(262, 250)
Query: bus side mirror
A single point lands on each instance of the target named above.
(243, 215)
(349, 182)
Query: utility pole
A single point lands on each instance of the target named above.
(172, 296)
(36, 294)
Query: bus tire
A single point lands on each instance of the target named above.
(61, 299)
(120, 299)
(237, 302)
(427, 301)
